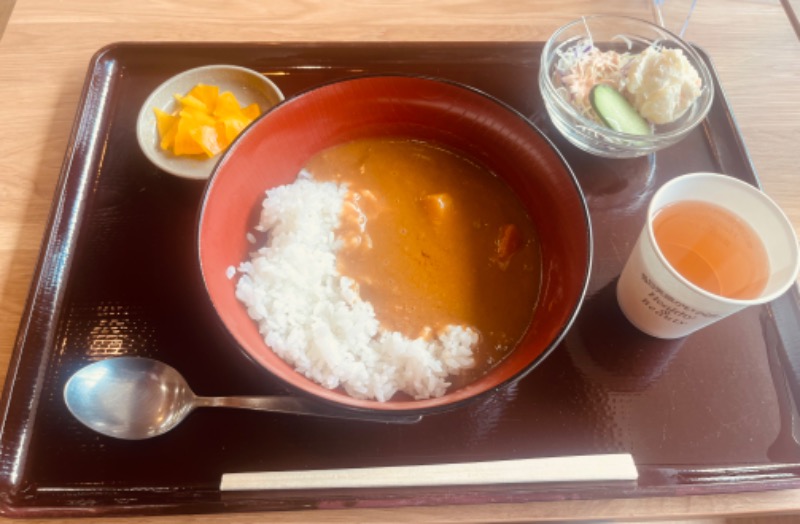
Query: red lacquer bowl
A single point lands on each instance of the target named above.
(273, 150)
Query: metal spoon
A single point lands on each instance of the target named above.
(135, 398)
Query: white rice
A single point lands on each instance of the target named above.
(314, 318)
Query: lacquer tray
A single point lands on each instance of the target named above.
(712, 413)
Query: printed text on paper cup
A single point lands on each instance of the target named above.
(667, 307)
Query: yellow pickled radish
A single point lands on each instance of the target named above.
(205, 123)
(252, 111)
(206, 94)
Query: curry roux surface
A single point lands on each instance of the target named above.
(433, 239)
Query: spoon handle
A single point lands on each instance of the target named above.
(300, 406)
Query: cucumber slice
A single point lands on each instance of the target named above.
(616, 112)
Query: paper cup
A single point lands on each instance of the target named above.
(660, 301)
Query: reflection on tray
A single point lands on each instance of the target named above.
(609, 350)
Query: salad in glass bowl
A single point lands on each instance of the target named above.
(621, 87)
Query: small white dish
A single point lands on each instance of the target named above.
(247, 86)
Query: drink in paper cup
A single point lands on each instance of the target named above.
(711, 246)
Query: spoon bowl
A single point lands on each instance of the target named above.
(135, 398)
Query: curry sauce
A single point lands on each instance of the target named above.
(434, 239)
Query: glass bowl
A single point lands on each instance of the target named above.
(621, 34)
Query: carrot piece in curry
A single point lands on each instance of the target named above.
(509, 241)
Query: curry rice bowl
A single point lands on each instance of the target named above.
(313, 317)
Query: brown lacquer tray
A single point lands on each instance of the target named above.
(712, 413)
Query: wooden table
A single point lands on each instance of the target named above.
(47, 45)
